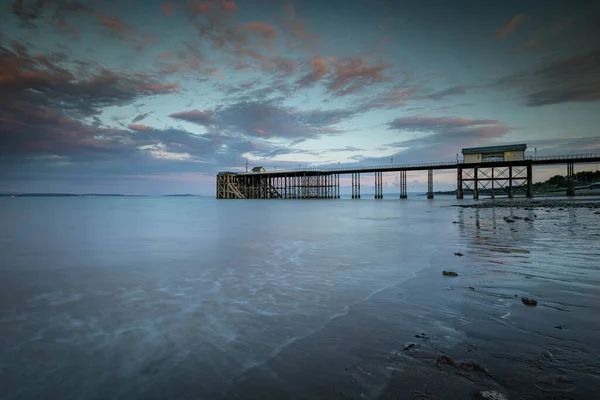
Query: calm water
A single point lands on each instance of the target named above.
(134, 298)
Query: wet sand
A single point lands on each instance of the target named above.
(389, 346)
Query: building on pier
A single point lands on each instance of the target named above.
(258, 169)
(510, 152)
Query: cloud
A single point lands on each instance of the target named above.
(140, 117)
(265, 29)
(167, 9)
(30, 10)
(319, 70)
(352, 75)
(121, 30)
(137, 127)
(507, 29)
(296, 27)
(45, 80)
(446, 132)
(205, 117)
(267, 119)
(398, 97)
(574, 79)
(449, 92)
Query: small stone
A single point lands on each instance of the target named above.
(508, 220)
(559, 327)
(597, 212)
(547, 354)
(449, 273)
(472, 366)
(444, 360)
(489, 395)
(529, 302)
(459, 254)
(409, 346)
(471, 287)
(422, 335)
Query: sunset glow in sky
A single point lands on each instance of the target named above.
(151, 97)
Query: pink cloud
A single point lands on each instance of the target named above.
(263, 28)
(295, 26)
(507, 29)
(319, 70)
(123, 31)
(157, 87)
(352, 75)
(139, 127)
(394, 99)
(260, 131)
(167, 9)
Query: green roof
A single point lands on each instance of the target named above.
(495, 149)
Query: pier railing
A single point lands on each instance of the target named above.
(423, 165)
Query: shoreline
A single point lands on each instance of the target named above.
(535, 203)
(437, 337)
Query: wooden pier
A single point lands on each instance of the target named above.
(496, 177)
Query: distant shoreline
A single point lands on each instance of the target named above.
(90, 195)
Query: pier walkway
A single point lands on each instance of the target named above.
(499, 177)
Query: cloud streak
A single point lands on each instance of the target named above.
(509, 28)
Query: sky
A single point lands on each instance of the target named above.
(156, 97)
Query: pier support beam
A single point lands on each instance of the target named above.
(403, 192)
(475, 184)
(356, 185)
(459, 183)
(570, 182)
(379, 185)
(510, 182)
(529, 180)
(430, 184)
(493, 195)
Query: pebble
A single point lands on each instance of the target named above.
(529, 302)
(449, 273)
(489, 395)
(547, 354)
(444, 360)
(459, 254)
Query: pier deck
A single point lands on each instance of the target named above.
(505, 177)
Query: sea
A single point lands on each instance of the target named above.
(198, 298)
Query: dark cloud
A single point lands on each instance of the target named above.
(30, 10)
(268, 119)
(140, 117)
(576, 79)
(49, 80)
(448, 134)
(205, 117)
(449, 92)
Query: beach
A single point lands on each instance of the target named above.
(186, 298)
